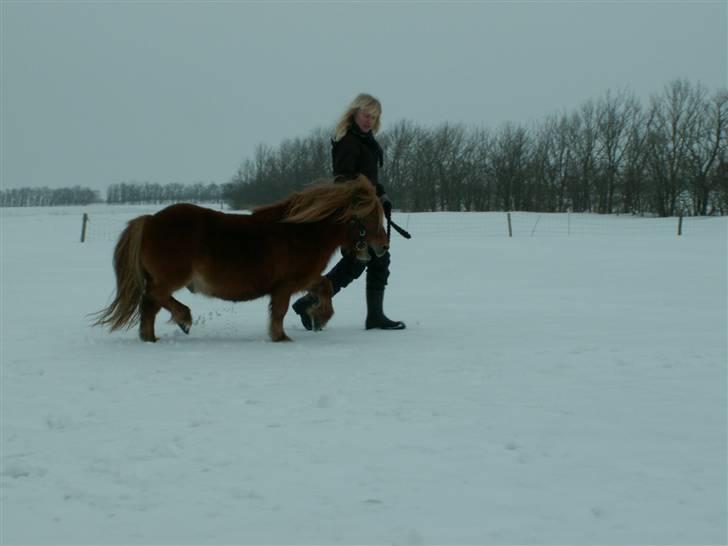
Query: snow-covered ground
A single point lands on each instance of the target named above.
(564, 386)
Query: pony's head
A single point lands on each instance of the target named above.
(354, 203)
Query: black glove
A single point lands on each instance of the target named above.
(386, 205)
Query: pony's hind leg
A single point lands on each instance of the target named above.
(181, 314)
(148, 311)
(156, 298)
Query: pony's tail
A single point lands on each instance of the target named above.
(130, 280)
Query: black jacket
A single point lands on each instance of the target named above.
(357, 153)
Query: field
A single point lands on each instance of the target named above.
(563, 386)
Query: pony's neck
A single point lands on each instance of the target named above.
(322, 237)
(271, 213)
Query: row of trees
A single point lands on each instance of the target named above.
(126, 193)
(610, 155)
(46, 197)
(274, 173)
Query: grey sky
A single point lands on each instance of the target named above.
(95, 93)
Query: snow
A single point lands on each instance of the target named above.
(564, 386)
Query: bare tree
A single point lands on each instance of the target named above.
(479, 183)
(510, 159)
(553, 159)
(451, 167)
(614, 114)
(675, 119)
(583, 142)
(706, 149)
(400, 143)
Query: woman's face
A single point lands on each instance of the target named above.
(365, 120)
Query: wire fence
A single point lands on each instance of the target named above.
(106, 226)
(533, 224)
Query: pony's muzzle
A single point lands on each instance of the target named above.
(361, 251)
(380, 250)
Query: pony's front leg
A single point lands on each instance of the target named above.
(279, 301)
(322, 312)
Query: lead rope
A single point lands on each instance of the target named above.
(403, 232)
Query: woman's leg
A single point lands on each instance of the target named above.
(377, 276)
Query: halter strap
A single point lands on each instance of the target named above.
(361, 240)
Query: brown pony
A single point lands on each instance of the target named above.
(279, 249)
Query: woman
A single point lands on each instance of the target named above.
(355, 151)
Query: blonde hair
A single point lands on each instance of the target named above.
(364, 102)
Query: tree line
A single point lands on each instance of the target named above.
(123, 193)
(152, 193)
(48, 197)
(610, 155)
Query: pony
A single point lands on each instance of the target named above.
(278, 250)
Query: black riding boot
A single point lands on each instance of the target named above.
(375, 314)
(346, 270)
(302, 307)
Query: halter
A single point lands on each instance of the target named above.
(361, 241)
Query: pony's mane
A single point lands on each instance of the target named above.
(340, 201)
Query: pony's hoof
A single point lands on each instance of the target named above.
(184, 327)
(148, 339)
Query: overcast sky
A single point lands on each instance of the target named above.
(95, 93)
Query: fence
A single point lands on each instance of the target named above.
(100, 226)
(533, 224)
(105, 223)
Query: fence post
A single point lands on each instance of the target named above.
(510, 228)
(83, 227)
(568, 222)
(679, 225)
